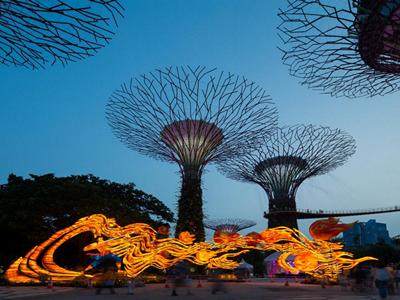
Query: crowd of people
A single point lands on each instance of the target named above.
(386, 278)
(179, 284)
(177, 279)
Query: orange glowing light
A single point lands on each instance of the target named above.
(327, 229)
(274, 235)
(186, 237)
(253, 238)
(139, 248)
(163, 229)
(303, 261)
(222, 237)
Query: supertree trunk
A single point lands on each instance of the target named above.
(190, 205)
(282, 203)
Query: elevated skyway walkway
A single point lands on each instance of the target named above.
(316, 214)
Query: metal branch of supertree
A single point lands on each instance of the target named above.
(287, 158)
(344, 48)
(35, 33)
(229, 225)
(192, 117)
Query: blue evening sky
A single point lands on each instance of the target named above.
(53, 120)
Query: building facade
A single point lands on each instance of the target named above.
(366, 233)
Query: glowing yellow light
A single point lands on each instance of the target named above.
(221, 237)
(139, 248)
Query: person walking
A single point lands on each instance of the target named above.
(108, 281)
(131, 286)
(382, 277)
(397, 276)
(188, 285)
(179, 281)
(392, 279)
(218, 286)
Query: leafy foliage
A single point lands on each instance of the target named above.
(190, 208)
(33, 209)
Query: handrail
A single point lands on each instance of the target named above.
(309, 214)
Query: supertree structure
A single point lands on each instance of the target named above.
(34, 33)
(231, 225)
(287, 158)
(345, 48)
(191, 117)
(226, 230)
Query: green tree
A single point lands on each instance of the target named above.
(33, 209)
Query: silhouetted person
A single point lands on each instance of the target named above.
(392, 280)
(178, 281)
(360, 275)
(108, 281)
(382, 277)
(397, 276)
(218, 286)
(131, 286)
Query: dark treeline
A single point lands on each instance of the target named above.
(384, 252)
(32, 209)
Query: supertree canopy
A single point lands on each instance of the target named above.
(343, 47)
(229, 224)
(226, 230)
(285, 160)
(192, 117)
(34, 33)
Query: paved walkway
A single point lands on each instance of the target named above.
(37, 292)
(236, 291)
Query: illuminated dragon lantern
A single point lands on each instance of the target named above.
(137, 247)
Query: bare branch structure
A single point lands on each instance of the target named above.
(229, 225)
(191, 117)
(345, 48)
(34, 33)
(286, 159)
